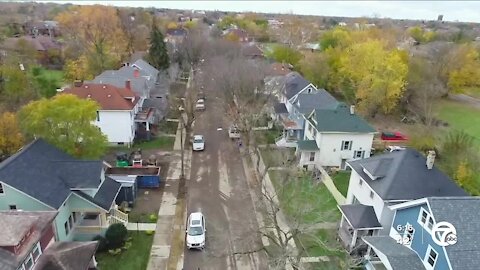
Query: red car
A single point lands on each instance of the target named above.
(393, 136)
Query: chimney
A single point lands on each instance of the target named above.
(352, 109)
(430, 159)
(127, 84)
(77, 83)
(136, 73)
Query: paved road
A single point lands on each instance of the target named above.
(218, 187)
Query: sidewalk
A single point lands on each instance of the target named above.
(160, 254)
(133, 226)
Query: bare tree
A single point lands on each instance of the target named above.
(190, 52)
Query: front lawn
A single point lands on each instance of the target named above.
(162, 143)
(341, 180)
(266, 136)
(276, 157)
(313, 198)
(322, 243)
(168, 127)
(135, 257)
(460, 117)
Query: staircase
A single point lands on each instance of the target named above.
(284, 142)
(117, 216)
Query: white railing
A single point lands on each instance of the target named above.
(117, 216)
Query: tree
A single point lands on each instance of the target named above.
(116, 235)
(464, 69)
(98, 30)
(285, 54)
(193, 48)
(337, 37)
(11, 138)
(378, 75)
(15, 87)
(157, 53)
(422, 36)
(66, 122)
(316, 69)
(77, 69)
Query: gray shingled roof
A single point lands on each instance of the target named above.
(140, 85)
(105, 195)
(340, 120)
(145, 66)
(462, 213)
(305, 103)
(280, 108)
(294, 83)
(32, 170)
(307, 145)
(399, 256)
(360, 216)
(406, 176)
(67, 256)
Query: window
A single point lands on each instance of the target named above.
(1, 189)
(372, 194)
(360, 182)
(431, 257)
(36, 252)
(425, 219)
(430, 223)
(70, 221)
(98, 116)
(346, 145)
(12, 207)
(74, 217)
(28, 263)
(312, 156)
(358, 154)
(67, 228)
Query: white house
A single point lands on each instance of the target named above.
(333, 136)
(119, 107)
(380, 182)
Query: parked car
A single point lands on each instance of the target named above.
(394, 148)
(200, 105)
(233, 132)
(198, 143)
(393, 136)
(196, 229)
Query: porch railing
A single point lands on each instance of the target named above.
(117, 216)
(88, 229)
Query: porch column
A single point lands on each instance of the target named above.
(148, 126)
(103, 219)
(341, 221)
(354, 239)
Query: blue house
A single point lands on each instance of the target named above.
(412, 242)
(40, 177)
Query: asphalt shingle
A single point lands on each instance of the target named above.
(340, 120)
(360, 216)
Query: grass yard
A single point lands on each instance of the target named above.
(460, 117)
(323, 243)
(162, 142)
(56, 75)
(341, 180)
(303, 193)
(274, 157)
(136, 257)
(267, 136)
(168, 127)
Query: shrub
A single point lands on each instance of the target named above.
(102, 243)
(153, 217)
(116, 235)
(149, 232)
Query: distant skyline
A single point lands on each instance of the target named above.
(464, 11)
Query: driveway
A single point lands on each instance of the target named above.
(218, 188)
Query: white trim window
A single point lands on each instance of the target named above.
(430, 258)
(358, 154)
(347, 145)
(2, 191)
(425, 219)
(312, 156)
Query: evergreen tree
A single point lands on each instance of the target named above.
(157, 54)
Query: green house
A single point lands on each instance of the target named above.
(40, 177)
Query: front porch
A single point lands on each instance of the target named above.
(357, 221)
(307, 154)
(96, 222)
(292, 132)
(144, 119)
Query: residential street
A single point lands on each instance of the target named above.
(218, 188)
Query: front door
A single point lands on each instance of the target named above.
(342, 165)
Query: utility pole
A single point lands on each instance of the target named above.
(182, 126)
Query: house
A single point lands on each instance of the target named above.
(45, 28)
(382, 181)
(334, 135)
(252, 51)
(40, 177)
(28, 242)
(175, 36)
(412, 231)
(118, 113)
(237, 34)
(144, 66)
(44, 46)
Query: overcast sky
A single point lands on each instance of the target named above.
(466, 11)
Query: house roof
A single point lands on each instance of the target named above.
(79, 173)
(360, 216)
(462, 213)
(15, 224)
(307, 145)
(40, 43)
(32, 171)
(252, 50)
(305, 103)
(340, 120)
(67, 256)
(108, 96)
(280, 108)
(294, 83)
(399, 256)
(105, 195)
(147, 68)
(403, 175)
(138, 85)
(278, 69)
(176, 32)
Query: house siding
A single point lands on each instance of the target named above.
(12, 196)
(330, 147)
(118, 126)
(47, 238)
(421, 238)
